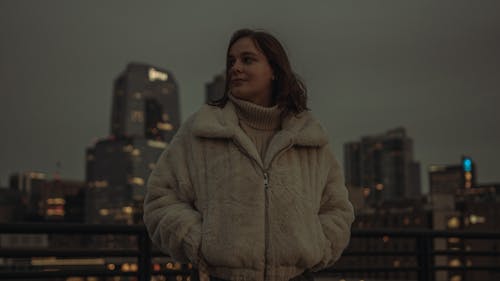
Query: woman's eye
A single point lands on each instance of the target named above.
(247, 60)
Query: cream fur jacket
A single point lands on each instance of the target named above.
(211, 200)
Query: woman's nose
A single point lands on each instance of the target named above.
(236, 67)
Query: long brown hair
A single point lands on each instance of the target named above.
(289, 92)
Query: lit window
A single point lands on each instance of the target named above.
(164, 126)
(157, 144)
(133, 267)
(127, 210)
(125, 267)
(366, 191)
(104, 212)
(137, 180)
(137, 116)
(453, 223)
(454, 263)
(476, 219)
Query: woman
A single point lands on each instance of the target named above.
(249, 188)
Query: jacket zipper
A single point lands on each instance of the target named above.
(266, 188)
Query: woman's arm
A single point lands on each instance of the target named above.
(172, 221)
(336, 213)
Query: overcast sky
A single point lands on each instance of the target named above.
(370, 66)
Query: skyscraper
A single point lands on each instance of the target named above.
(145, 116)
(145, 103)
(383, 166)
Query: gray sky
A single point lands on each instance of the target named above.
(430, 66)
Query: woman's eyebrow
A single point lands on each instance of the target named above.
(246, 53)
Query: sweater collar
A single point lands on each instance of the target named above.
(256, 116)
(301, 130)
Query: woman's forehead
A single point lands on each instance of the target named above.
(243, 46)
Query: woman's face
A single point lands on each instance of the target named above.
(250, 75)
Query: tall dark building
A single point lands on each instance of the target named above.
(145, 116)
(383, 166)
(215, 89)
(145, 103)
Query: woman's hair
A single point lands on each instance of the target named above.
(289, 92)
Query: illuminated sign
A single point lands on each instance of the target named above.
(467, 164)
(157, 75)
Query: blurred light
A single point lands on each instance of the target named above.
(178, 278)
(454, 263)
(169, 265)
(379, 186)
(396, 263)
(56, 201)
(157, 144)
(467, 163)
(133, 267)
(366, 191)
(125, 267)
(136, 152)
(127, 210)
(111, 266)
(456, 278)
(453, 240)
(385, 238)
(156, 267)
(157, 75)
(137, 180)
(468, 176)
(104, 212)
(476, 219)
(164, 126)
(453, 223)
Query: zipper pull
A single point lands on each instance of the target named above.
(266, 181)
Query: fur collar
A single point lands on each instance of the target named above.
(215, 122)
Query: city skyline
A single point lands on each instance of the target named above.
(429, 67)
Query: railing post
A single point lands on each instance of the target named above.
(144, 257)
(425, 259)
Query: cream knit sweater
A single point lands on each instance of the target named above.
(259, 123)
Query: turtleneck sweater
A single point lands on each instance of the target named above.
(260, 123)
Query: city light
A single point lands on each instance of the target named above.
(467, 164)
(157, 75)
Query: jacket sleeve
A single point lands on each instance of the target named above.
(170, 217)
(336, 214)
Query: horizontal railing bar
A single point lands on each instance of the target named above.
(71, 228)
(467, 268)
(379, 253)
(17, 253)
(465, 253)
(370, 269)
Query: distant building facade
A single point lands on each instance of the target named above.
(145, 117)
(215, 90)
(382, 167)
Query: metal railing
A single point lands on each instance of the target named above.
(424, 252)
